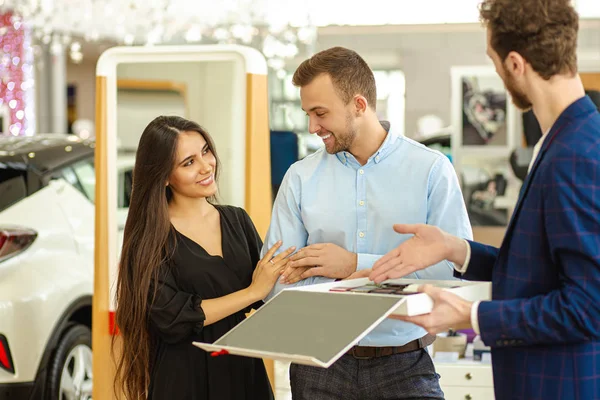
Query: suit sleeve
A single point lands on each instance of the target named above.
(483, 258)
(571, 313)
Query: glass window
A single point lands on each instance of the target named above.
(400, 13)
(12, 186)
(588, 8)
(86, 175)
(391, 97)
(69, 175)
(125, 185)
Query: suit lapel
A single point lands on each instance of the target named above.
(529, 178)
(523, 192)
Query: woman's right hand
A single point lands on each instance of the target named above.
(268, 270)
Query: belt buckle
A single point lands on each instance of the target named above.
(358, 357)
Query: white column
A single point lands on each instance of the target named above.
(42, 89)
(58, 86)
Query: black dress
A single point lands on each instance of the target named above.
(178, 369)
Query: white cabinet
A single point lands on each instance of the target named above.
(466, 380)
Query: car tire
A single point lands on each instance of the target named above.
(70, 372)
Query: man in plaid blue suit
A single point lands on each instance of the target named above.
(543, 322)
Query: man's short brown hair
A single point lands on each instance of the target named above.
(349, 73)
(544, 32)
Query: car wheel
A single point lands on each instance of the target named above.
(70, 374)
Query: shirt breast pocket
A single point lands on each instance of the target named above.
(330, 223)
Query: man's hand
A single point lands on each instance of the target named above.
(363, 273)
(428, 246)
(322, 259)
(449, 311)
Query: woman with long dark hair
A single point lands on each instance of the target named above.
(190, 269)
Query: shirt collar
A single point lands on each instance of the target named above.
(383, 150)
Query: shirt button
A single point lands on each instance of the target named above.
(377, 158)
(361, 234)
(362, 203)
(360, 171)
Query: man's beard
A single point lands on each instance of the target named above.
(344, 142)
(519, 98)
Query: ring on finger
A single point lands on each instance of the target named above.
(271, 261)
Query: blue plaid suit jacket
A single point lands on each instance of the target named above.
(544, 321)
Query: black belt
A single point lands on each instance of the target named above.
(365, 352)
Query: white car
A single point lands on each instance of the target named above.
(47, 188)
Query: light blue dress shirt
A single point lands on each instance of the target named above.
(327, 198)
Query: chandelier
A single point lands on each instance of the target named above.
(279, 28)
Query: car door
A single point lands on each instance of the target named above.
(76, 198)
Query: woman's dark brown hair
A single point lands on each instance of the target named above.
(147, 244)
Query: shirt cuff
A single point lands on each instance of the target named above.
(463, 268)
(365, 261)
(475, 317)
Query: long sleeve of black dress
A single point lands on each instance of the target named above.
(174, 313)
(255, 244)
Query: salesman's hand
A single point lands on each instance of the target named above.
(322, 259)
(449, 311)
(428, 246)
(363, 273)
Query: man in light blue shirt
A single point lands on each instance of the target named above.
(337, 206)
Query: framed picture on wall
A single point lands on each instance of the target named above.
(484, 133)
(482, 112)
(4, 119)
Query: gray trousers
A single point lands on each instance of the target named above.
(399, 376)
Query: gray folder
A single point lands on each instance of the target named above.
(306, 327)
